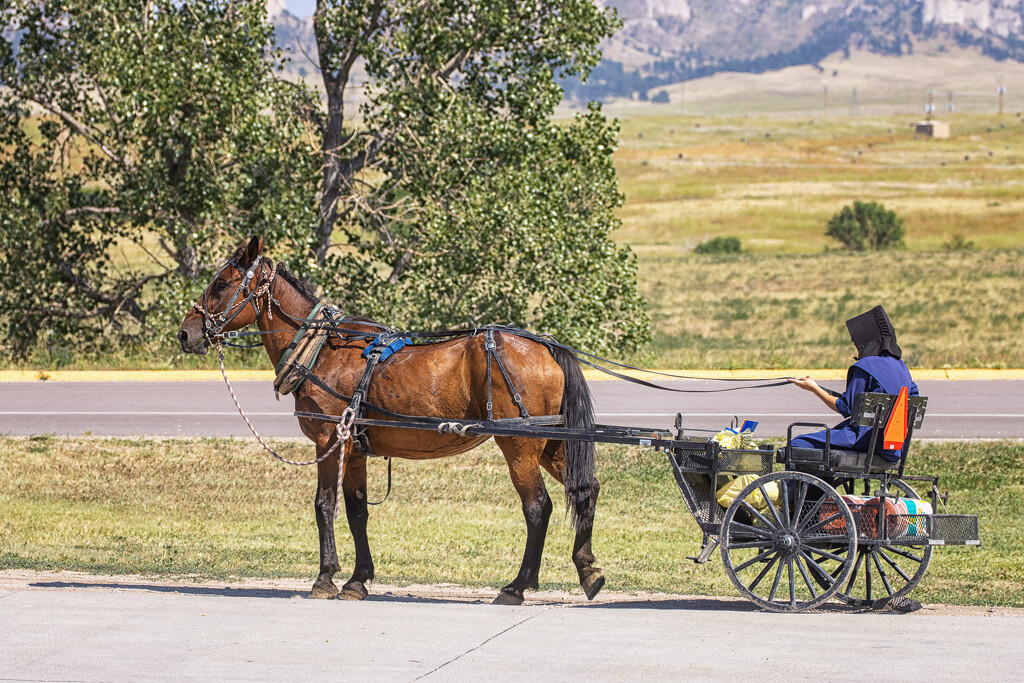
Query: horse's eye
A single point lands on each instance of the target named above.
(220, 286)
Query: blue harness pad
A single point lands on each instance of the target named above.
(386, 351)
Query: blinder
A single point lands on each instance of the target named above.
(214, 323)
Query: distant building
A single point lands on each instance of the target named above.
(933, 129)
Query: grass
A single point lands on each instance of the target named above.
(951, 309)
(774, 183)
(220, 508)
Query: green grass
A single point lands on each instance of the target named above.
(219, 508)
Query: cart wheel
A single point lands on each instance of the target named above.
(883, 571)
(794, 555)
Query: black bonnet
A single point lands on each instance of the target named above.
(872, 333)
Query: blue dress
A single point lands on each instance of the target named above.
(883, 374)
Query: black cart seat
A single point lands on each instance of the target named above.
(884, 413)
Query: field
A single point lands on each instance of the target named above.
(221, 508)
(773, 182)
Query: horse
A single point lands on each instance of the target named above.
(442, 379)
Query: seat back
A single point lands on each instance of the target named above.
(866, 405)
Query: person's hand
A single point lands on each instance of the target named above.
(805, 383)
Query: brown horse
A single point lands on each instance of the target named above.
(442, 380)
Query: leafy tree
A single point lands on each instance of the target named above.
(157, 128)
(460, 201)
(450, 197)
(867, 225)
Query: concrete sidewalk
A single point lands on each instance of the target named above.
(58, 627)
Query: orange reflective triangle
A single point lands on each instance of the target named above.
(896, 429)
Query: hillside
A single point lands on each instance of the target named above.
(665, 42)
(668, 41)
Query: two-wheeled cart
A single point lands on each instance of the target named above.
(832, 523)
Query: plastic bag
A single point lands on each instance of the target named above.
(727, 493)
(741, 439)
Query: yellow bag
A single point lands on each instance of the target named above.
(727, 493)
(729, 439)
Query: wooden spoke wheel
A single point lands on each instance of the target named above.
(882, 570)
(791, 553)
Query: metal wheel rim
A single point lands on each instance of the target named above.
(772, 560)
(875, 573)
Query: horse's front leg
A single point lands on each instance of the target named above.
(325, 505)
(353, 487)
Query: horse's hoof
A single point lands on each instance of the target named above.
(323, 591)
(592, 583)
(508, 599)
(353, 590)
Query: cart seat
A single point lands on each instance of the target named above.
(893, 419)
(838, 460)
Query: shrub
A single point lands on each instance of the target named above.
(719, 245)
(959, 243)
(867, 225)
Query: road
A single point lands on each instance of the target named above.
(956, 409)
(55, 627)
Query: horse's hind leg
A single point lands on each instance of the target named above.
(591, 576)
(522, 456)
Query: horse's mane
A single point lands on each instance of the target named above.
(304, 287)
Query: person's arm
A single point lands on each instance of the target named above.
(808, 384)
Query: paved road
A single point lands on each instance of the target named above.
(59, 629)
(956, 409)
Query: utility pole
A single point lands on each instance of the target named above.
(929, 107)
(949, 103)
(1000, 90)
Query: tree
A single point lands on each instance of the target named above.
(157, 127)
(458, 199)
(867, 225)
(450, 198)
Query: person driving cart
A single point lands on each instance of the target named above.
(878, 368)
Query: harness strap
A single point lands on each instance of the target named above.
(489, 348)
(360, 434)
(496, 352)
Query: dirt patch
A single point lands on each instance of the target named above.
(16, 580)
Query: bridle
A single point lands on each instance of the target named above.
(214, 323)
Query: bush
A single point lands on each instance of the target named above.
(958, 243)
(867, 225)
(720, 245)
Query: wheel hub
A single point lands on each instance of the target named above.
(787, 543)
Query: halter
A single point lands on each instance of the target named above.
(214, 323)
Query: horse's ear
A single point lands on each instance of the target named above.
(253, 251)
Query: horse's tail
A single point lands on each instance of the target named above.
(578, 411)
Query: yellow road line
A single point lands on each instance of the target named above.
(589, 373)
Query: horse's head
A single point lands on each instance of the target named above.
(231, 300)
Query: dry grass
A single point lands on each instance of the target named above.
(774, 183)
(951, 309)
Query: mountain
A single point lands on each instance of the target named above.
(667, 41)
